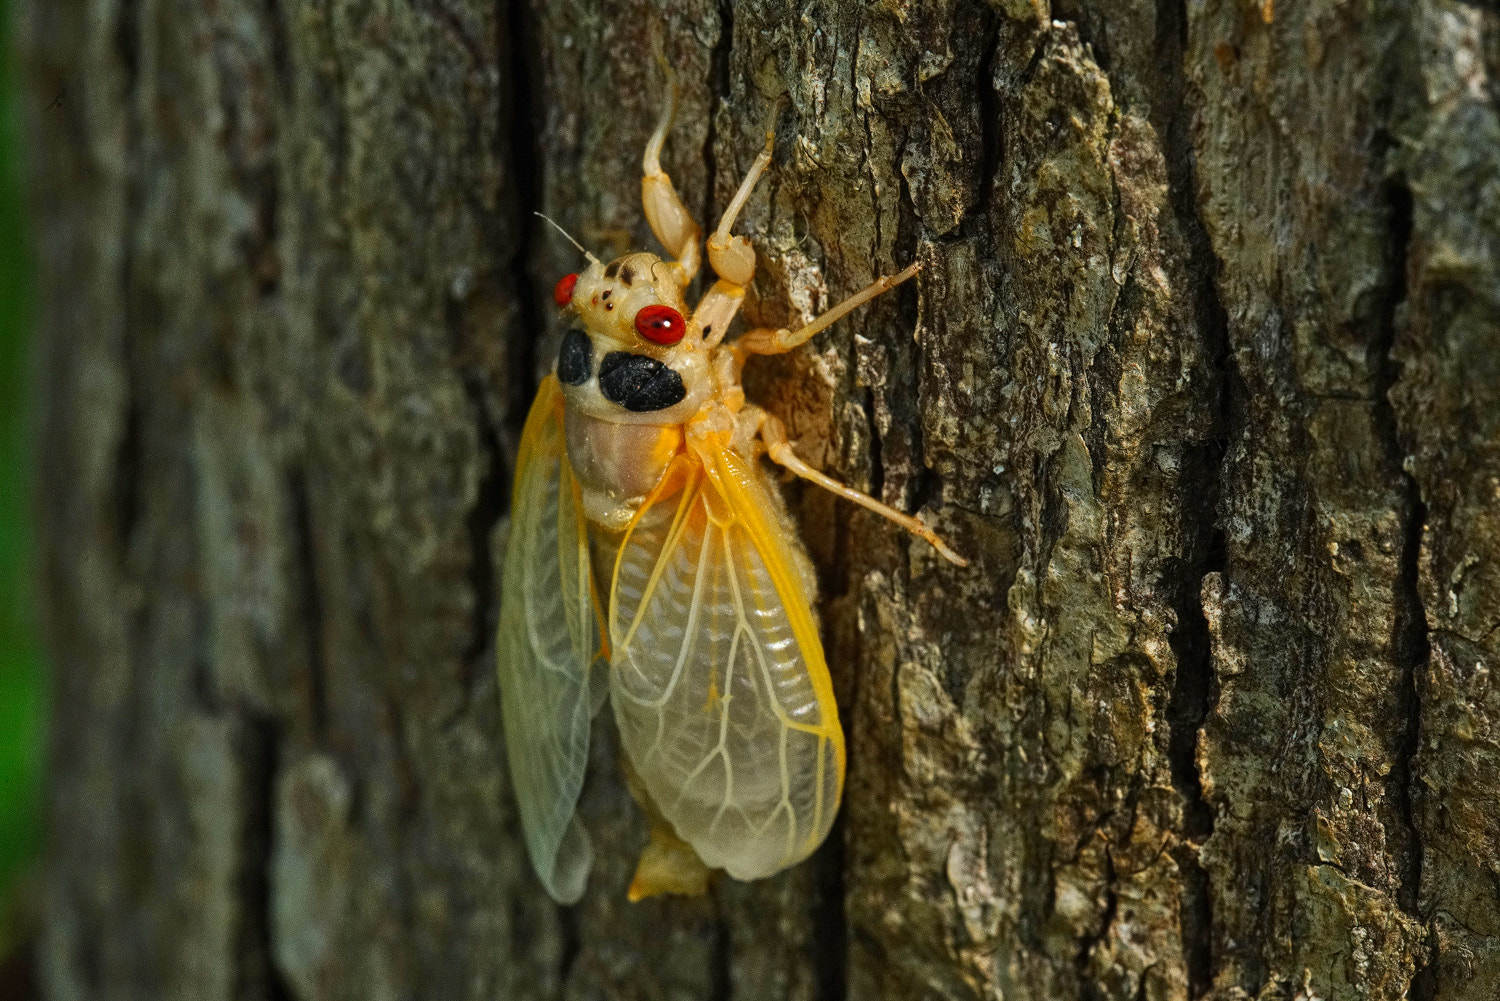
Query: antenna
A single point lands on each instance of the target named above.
(591, 257)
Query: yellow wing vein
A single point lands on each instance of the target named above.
(787, 724)
(674, 535)
(688, 636)
(588, 592)
(818, 803)
(727, 479)
(741, 628)
(721, 749)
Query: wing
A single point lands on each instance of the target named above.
(722, 697)
(549, 637)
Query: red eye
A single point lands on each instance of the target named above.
(660, 324)
(562, 292)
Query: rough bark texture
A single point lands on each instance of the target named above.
(1206, 382)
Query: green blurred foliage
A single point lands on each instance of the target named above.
(21, 681)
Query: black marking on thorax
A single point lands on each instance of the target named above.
(575, 359)
(638, 383)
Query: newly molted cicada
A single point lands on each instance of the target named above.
(651, 558)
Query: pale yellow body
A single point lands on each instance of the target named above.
(645, 532)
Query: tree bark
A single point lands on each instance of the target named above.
(1205, 382)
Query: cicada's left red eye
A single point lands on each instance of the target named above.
(562, 292)
(660, 324)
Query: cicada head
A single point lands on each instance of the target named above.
(629, 356)
(635, 302)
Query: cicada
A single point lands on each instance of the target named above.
(652, 561)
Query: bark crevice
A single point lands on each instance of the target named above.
(258, 975)
(991, 124)
(1089, 988)
(570, 931)
(277, 43)
(721, 972)
(830, 958)
(1192, 693)
(518, 130)
(491, 502)
(718, 84)
(1409, 631)
(310, 600)
(129, 450)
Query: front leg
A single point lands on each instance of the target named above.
(733, 260)
(732, 257)
(670, 220)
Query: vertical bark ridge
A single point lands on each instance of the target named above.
(1446, 133)
(1318, 666)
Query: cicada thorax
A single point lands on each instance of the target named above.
(631, 375)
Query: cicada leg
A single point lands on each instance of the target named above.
(667, 864)
(733, 260)
(670, 220)
(765, 341)
(779, 450)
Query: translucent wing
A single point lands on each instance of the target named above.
(549, 638)
(722, 697)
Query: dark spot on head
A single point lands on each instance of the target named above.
(627, 275)
(575, 358)
(607, 294)
(612, 270)
(638, 383)
(708, 330)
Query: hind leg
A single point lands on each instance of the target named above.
(779, 451)
(667, 864)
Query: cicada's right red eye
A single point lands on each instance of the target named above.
(562, 292)
(661, 324)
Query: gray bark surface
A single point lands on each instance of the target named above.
(1205, 381)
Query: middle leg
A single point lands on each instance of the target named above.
(765, 341)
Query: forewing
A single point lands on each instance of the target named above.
(549, 636)
(720, 690)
